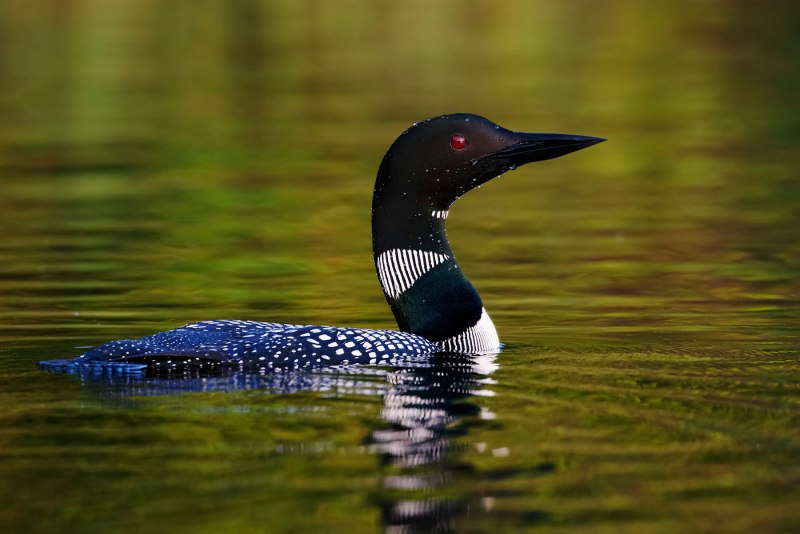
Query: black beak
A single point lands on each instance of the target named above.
(531, 147)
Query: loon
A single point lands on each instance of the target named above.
(431, 165)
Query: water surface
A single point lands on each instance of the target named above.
(167, 163)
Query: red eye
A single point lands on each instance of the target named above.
(458, 142)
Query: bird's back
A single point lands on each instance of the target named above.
(269, 345)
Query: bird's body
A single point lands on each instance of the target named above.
(271, 345)
(436, 307)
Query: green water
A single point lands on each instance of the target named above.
(168, 162)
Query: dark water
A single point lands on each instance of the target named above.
(162, 163)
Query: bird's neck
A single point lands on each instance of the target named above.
(426, 289)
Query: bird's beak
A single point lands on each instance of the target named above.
(529, 147)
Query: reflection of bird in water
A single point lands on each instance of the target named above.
(423, 406)
(436, 307)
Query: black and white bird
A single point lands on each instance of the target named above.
(426, 169)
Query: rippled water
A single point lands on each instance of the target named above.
(167, 163)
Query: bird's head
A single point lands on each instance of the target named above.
(436, 161)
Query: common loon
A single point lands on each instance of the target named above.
(425, 170)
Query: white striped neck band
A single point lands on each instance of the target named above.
(399, 269)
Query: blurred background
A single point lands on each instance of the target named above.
(167, 162)
(186, 153)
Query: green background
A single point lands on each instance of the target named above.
(168, 162)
